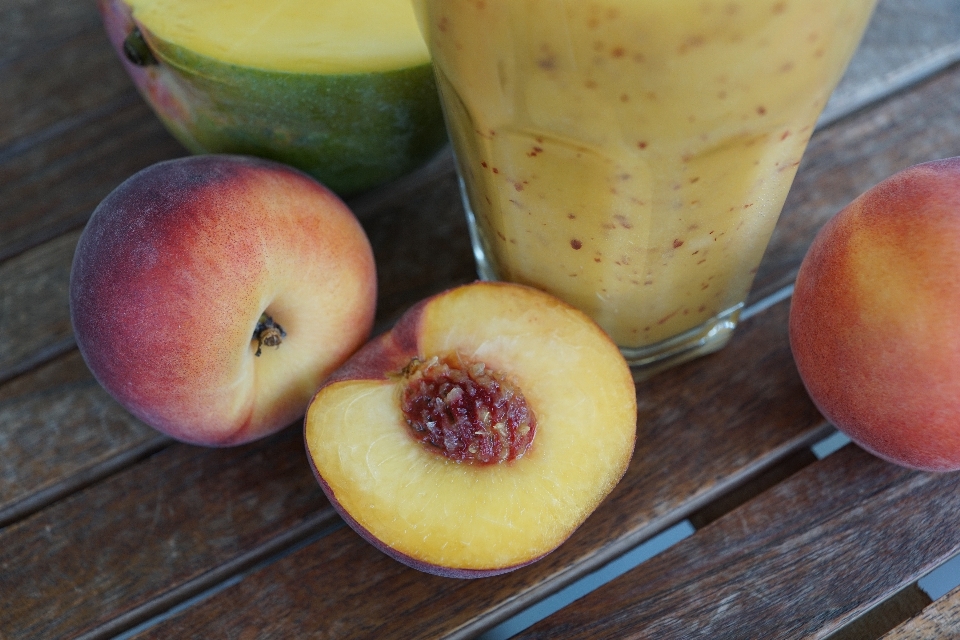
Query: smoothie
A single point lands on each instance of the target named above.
(632, 156)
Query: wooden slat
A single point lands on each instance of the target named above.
(698, 435)
(34, 307)
(419, 236)
(60, 431)
(904, 604)
(50, 185)
(72, 126)
(420, 244)
(53, 85)
(807, 558)
(939, 620)
(177, 522)
(27, 27)
(420, 241)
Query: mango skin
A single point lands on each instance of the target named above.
(875, 318)
(351, 132)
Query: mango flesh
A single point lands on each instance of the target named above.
(305, 36)
(462, 519)
(356, 112)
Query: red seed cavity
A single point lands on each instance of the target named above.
(466, 411)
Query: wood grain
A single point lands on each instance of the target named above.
(168, 524)
(939, 620)
(28, 27)
(419, 236)
(36, 100)
(905, 604)
(34, 306)
(60, 432)
(53, 184)
(72, 126)
(808, 557)
(906, 40)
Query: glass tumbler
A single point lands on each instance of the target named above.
(632, 156)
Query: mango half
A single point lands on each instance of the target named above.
(342, 90)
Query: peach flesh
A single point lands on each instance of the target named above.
(874, 318)
(177, 267)
(464, 519)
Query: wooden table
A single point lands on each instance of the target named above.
(107, 528)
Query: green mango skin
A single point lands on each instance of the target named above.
(351, 132)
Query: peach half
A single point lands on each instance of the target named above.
(211, 295)
(475, 436)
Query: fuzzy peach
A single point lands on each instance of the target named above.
(479, 433)
(875, 318)
(212, 295)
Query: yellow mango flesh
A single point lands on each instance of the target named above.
(296, 36)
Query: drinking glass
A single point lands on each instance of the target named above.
(632, 156)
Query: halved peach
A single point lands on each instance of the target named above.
(479, 433)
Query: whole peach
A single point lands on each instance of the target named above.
(212, 295)
(875, 318)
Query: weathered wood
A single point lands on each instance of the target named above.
(67, 133)
(60, 432)
(807, 556)
(698, 436)
(45, 91)
(51, 185)
(179, 521)
(419, 239)
(419, 235)
(28, 27)
(752, 488)
(34, 306)
(939, 620)
(675, 406)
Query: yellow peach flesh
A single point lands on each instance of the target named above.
(479, 517)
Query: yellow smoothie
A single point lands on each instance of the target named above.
(632, 156)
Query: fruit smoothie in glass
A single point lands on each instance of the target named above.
(632, 156)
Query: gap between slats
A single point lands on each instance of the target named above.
(186, 595)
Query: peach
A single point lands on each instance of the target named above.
(875, 318)
(479, 433)
(212, 295)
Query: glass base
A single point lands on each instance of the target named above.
(710, 336)
(484, 270)
(647, 361)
